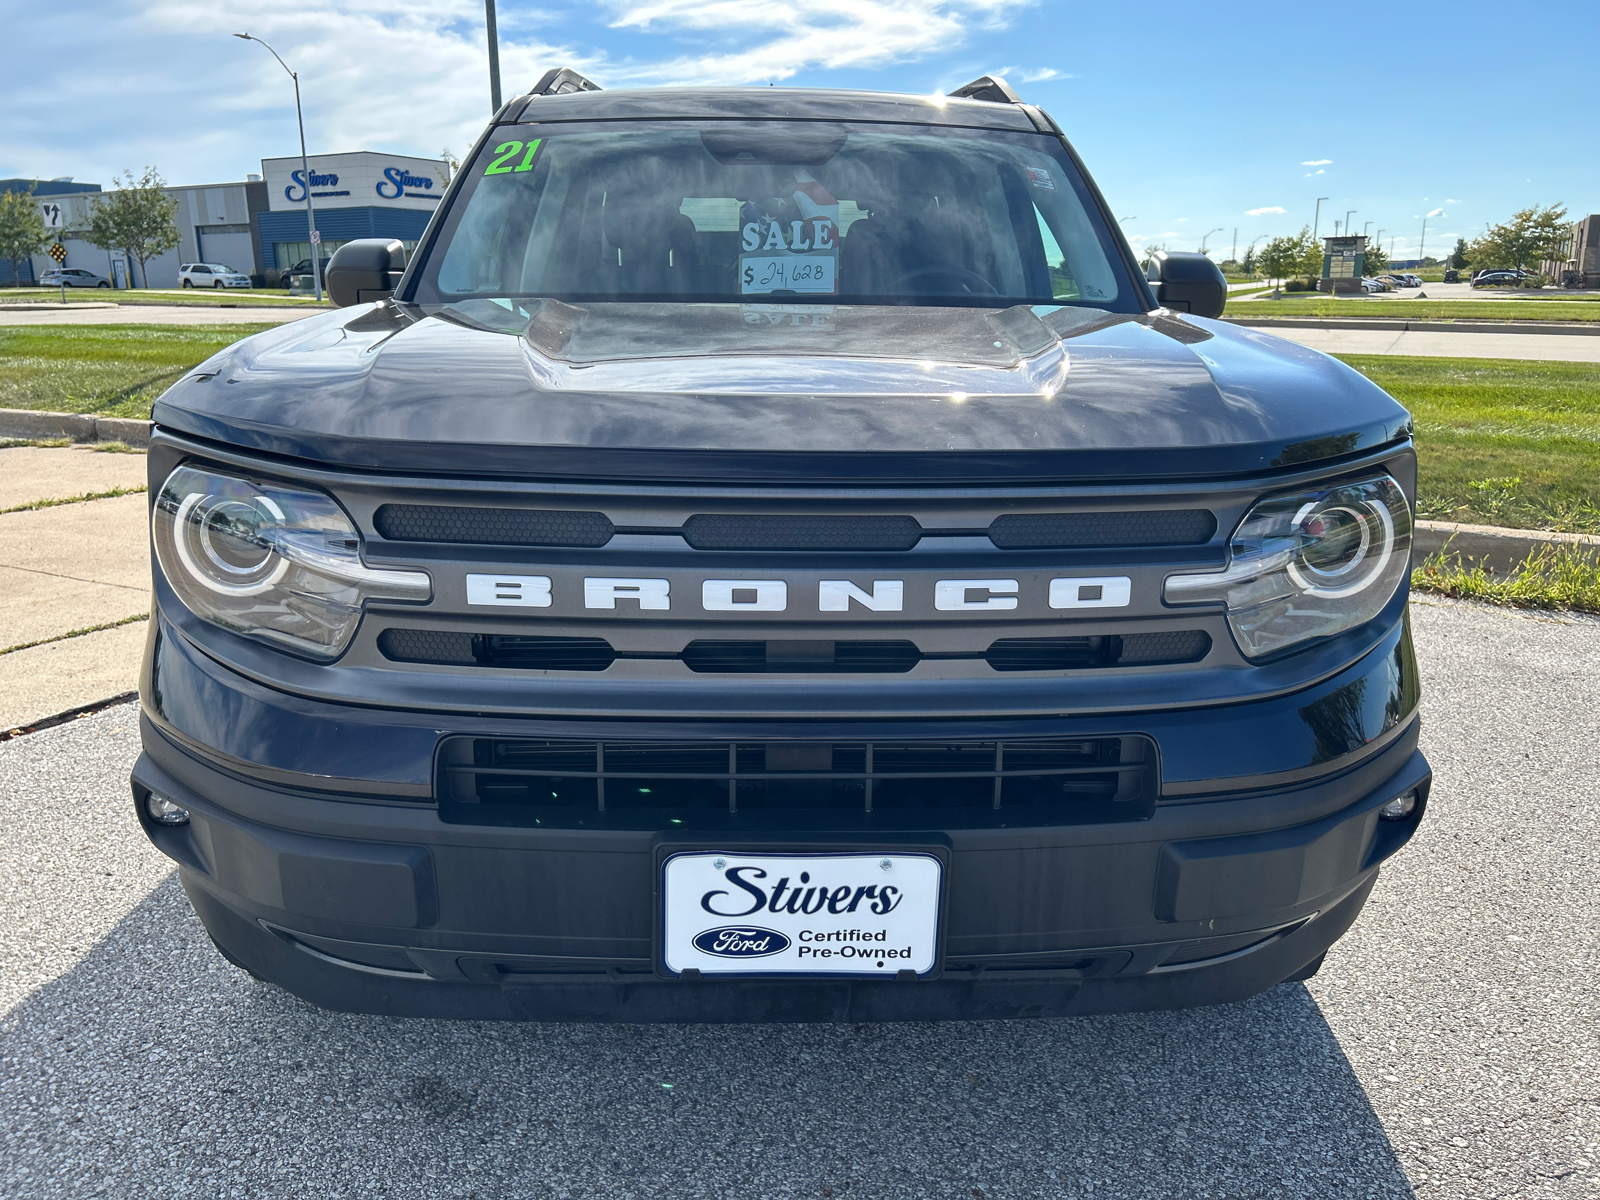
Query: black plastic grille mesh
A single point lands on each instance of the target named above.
(445, 648)
(492, 526)
(733, 531)
(1061, 531)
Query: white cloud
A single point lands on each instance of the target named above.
(788, 38)
(1452, 202)
(1043, 74)
(1258, 212)
(1312, 174)
(1438, 212)
(1170, 233)
(1317, 162)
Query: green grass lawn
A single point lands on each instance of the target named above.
(109, 370)
(1500, 441)
(1306, 305)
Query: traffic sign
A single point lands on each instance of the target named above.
(316, 237)
(55, 217)
(59, 253)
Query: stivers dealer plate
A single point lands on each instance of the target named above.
(859, 914)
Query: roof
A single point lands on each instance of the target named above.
(769, 104)
(47, 187)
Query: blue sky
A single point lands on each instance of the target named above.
(1191, 116)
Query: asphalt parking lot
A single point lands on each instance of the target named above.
(1447, 1049)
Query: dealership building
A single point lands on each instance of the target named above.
(258, 225)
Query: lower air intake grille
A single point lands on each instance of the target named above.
(763, 784)
(528, 653)
(1064, 531)
(492, 526)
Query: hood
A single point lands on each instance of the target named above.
(770, 392)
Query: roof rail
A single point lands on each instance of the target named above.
(990, 88)
(562, 81)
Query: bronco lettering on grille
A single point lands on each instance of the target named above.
(772, 595)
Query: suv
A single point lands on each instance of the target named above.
(770, 555)
(211, 275)
(72, 277)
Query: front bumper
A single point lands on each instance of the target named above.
(342, 883)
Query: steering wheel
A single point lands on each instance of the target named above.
(976, 283)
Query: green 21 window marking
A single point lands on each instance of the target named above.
(506, 151)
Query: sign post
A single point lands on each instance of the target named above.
(59, 253)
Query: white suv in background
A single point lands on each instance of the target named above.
(211, 275)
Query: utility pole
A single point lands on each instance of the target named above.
(1422, 244)
(1316, 221)
(1233, 254)
(494, 55)
(305, 168)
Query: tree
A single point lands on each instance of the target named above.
(1530, 236)
(1293, 254)
(1249, 263)
(136, 219)
(1459, 257)
(22, 230)
(1375, 261)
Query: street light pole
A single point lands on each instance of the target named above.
(1422, 244)
(305, 168)
(1366, 227)
(1347, 217)
(1316, 221)
(494, 55)
(1205, 239)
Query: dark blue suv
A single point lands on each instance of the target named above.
(773, 555)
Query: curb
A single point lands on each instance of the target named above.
(1498, 550)
(28, 424)
(1395, 325)
(55, 306)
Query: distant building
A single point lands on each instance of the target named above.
(258, 226)
(1579, 253)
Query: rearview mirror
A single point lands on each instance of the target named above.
(1186, 282)
(365, 270)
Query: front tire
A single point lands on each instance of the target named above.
(102, 284)
(217, 286)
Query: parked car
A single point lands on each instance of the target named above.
(1369, 285)
(73, 277)
(821, 606)
(1452, 276)
(211, 275)
(1498, 279)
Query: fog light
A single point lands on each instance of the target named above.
(1400, 807)
(164, 812)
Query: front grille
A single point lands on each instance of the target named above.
(763, 784)
(1069, 530)
(492, 526)
(794, 532)
(706, 656)
(728, 531)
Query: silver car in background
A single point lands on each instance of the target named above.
(72, 277)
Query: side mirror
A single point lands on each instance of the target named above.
(1185, 282)
(365, 270)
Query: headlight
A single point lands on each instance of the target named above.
(270, 561)
(1308, 565)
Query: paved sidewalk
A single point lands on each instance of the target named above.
(1429, 344)
(68, 568)
(155, 314)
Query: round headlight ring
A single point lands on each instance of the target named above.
(1366, 565)
(192, 523)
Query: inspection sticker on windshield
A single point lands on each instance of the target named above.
(1040, 178)
(801, 914)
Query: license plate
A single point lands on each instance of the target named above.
(801, 914)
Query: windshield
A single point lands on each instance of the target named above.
(786, 211)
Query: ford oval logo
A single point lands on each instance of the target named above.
(741, 941)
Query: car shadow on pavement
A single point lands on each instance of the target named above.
(154, 1068)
